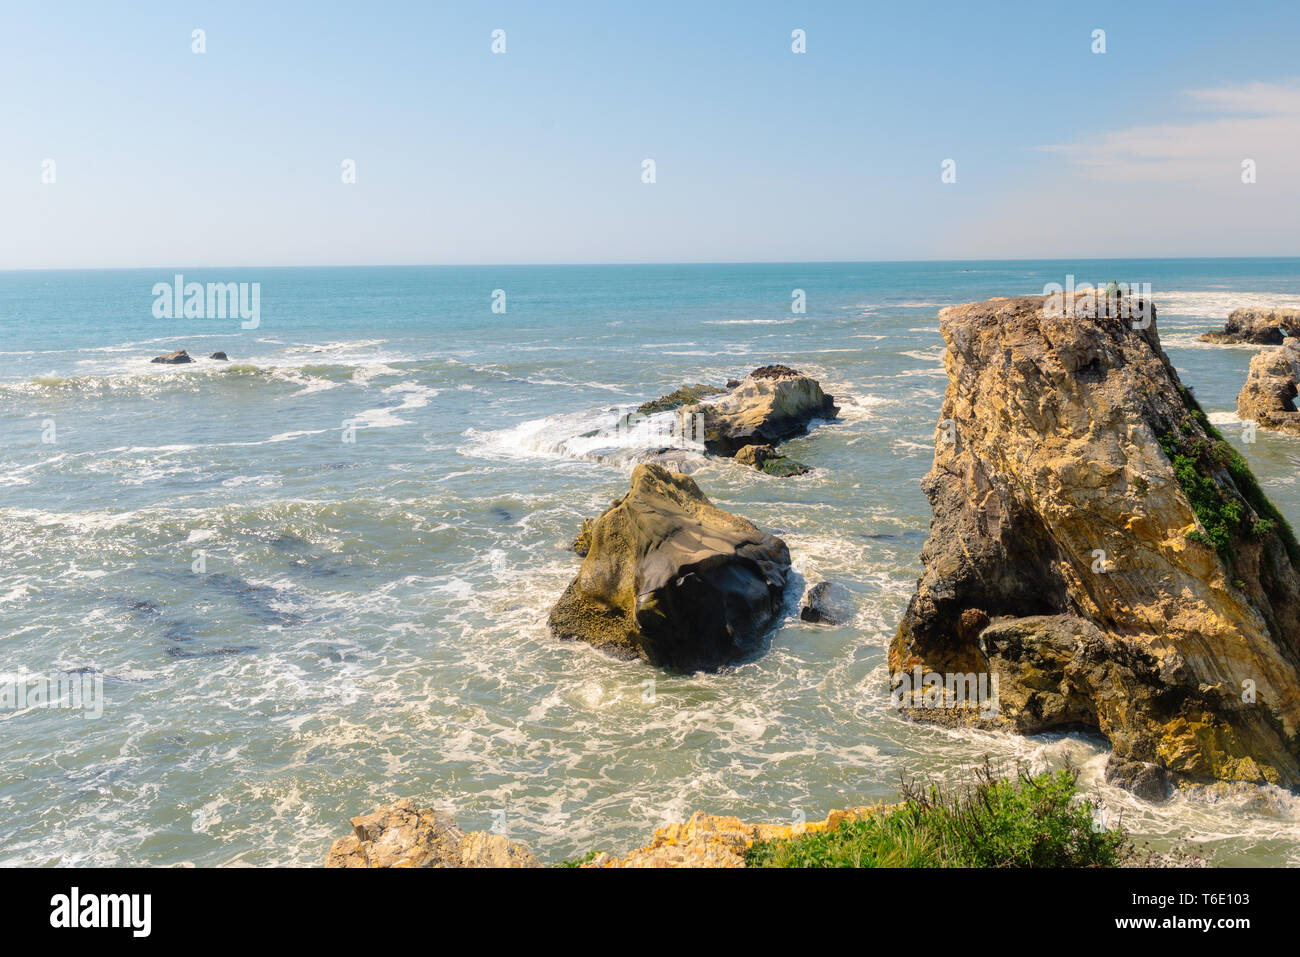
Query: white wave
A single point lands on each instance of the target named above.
(1216, 304)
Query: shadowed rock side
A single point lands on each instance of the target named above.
(1266, 327)
(402, 835)
(670, 578)
(1268, 397)
(1074, 437)
(772, 404)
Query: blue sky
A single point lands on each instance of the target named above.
(164, 157)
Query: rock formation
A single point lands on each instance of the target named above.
(173, 358)
(709, 841)
(672, 579)
(1098, 547)
(402, 835)
(1265, 327)
(1268, 397)
(220, 356)
(772, 404)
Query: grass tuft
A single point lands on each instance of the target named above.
(1014, 821)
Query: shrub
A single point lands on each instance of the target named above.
(1013, 821)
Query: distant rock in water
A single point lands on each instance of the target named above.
(1266, 327)
(402, 835)
(670, 578)
(174, 358)
(1268, 397)
(827, 602)
(1097, 546)
(772, 404)
(220, 355)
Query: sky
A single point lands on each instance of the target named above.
(235, 156)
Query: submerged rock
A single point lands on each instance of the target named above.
(1268, 397)
(827, 602)
(772, 404)
(1265, 327)
(173, 358)
(769, 460)
(401, 835)
(670, 578)
(1097, 546)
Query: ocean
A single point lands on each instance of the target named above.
(315, 578)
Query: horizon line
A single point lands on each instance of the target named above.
(698, 262)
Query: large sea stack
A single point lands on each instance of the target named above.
(670, 578)
(1097, 545)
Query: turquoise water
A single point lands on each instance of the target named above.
(367, 619)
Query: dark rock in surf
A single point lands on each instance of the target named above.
(1147, 781)
(173, 358)
(671, 578)
(768, 460)
(220, 356)
(828, 603)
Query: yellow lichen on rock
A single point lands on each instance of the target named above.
(718, 841)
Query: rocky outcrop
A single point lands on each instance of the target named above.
(772, 404)
(402, 835)
(670, 578)
(220, 356)
(828, 603)
(173, 358)
(1268, 397)
(1099, 548)
(709, 841)
(1266, 327)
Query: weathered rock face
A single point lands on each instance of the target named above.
(402, 835)
(1262, 326)
(672, 579)
(1268, 397)
(173, 358)
(1099, 548)
(710, 841)
(772, 404)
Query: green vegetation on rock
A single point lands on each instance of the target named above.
(1019, 821)
(1220, 512)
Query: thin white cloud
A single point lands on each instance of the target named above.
(1258, 121)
